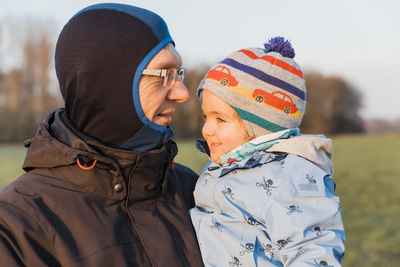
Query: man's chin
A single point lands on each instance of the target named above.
(162, 120)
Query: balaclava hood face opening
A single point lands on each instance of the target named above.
(100, 55)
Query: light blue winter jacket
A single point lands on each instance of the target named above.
(272, 208)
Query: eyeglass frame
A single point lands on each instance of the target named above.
(180, 74)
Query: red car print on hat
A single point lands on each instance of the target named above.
(277, 100)
(223, 75)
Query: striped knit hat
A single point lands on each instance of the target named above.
(264, 86)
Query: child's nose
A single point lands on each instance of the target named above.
(207, 129)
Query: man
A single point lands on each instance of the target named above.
(101, 187)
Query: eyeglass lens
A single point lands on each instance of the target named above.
(172, 75)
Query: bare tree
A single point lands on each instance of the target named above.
(333, 106)
(26, 87)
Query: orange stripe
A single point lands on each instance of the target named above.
(274, 61)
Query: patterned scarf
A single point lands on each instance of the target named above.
(260, 143)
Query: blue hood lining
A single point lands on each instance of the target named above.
(135, 86)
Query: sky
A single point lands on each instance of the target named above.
(358, 40)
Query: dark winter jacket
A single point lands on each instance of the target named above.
(130, 209)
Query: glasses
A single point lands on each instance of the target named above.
(170, 75)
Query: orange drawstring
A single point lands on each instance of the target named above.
(86, 168)
(231, 160)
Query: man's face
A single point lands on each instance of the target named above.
(158, 102)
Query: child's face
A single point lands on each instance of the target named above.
(222, 129)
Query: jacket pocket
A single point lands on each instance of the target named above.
(304, 178)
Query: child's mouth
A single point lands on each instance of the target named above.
(214, 145)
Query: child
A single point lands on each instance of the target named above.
(267, 198)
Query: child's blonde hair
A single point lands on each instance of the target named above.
(241, 122)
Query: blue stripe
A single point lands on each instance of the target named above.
(270, 126)
(265, 77)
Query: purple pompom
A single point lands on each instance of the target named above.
(280, 45)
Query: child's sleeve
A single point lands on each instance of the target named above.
(303, 217)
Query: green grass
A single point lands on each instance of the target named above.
(367, 175)
(189, 155)
(11, 160)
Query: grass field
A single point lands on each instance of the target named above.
(11, 159)
(367, 174)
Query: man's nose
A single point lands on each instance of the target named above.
(179, 92)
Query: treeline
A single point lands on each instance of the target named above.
(29, 91)
(382, 126)
(26, 93)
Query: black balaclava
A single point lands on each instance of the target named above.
(100, 55)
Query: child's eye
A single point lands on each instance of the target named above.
(220, 120)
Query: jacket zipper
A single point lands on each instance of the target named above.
(130, 216)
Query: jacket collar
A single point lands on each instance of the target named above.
(257, 159)
(58, 144)
(247, 149)
(315, 148)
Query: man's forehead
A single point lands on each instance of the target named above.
(168, 57)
